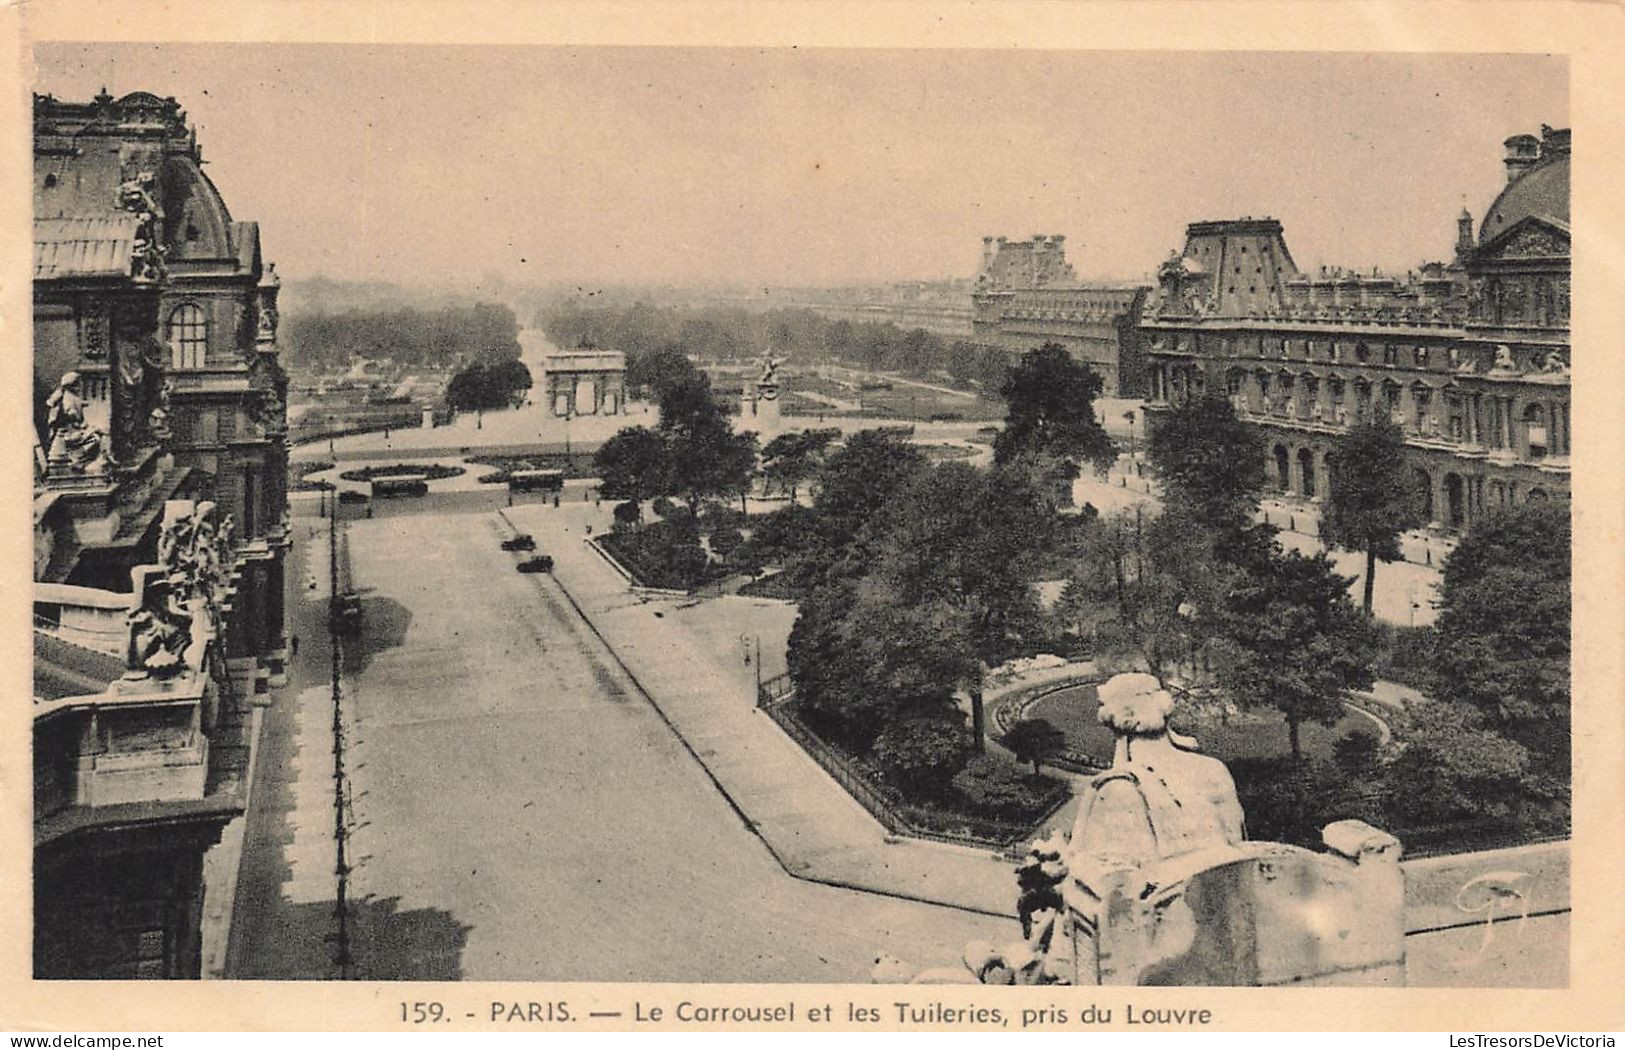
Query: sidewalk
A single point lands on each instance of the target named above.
(814, 829)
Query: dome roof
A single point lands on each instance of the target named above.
(1542, 192)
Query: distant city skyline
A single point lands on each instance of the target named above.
(711, 166)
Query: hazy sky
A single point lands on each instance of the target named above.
(787, 166)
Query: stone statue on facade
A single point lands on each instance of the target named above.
(1504, 360)
(159, 624)
(269, 286)
(176, 613)
(1158, 885)
(74, 444)
(158, 418)
(147, 255)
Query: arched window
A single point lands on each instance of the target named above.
(188, 336)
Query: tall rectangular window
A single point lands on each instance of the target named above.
(188, 336)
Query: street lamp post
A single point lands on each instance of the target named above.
(1133, 453)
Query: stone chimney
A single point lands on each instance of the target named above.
(1554, 142)
(1464, 234)
(1523, 153)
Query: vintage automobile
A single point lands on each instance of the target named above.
(352, 496)
(540, 563)
(521, 542)
(345, 610)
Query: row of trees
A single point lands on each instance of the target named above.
(642, 332)
(917, 578)
(438, 338)
(1210, 595)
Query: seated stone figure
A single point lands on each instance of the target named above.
(1161, 797)
(1158, 885)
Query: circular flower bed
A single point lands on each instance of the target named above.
(1225, 734)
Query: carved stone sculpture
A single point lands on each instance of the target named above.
(74, 445)
(159, 623)
(1158, 885)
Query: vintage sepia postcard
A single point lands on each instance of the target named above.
(606, 516)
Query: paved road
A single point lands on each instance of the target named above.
(523, 814)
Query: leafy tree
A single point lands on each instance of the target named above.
(860, 478)
(922, 754)
(1050, 399)
(1035, 740)
(790, 459)
(1502, 636)
(1293, 640)
(633, 465)
(1210, 461)
(1453, 769)
(627, 514)
(1155, 587)
(958, 544)
(484, 384)
(835, 686)
(660, 371)
(707, 459)
(1371, 501)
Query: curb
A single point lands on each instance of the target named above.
(784, 865)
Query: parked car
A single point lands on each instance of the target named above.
(352, 496)
(521, 542)
(345, 610)
(540, 563)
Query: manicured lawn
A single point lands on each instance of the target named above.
(1254, 734)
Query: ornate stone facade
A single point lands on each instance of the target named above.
(1470, 358)
(1027, 294)
(161, 489)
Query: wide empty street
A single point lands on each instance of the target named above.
(522, 812)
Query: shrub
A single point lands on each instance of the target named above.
(1404, 654)
(992, 785)
(921, 755)
(626, 514)
(1034, 740)
(725, 540)
(431, 471)
(664, 554)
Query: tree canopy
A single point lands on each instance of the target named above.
(488, 385)
(1210, 461)
(1371, 502)
(633, 465)
(1502, 637)
(439, 338)
(1050, 400)
(792, 458)
(1293, 640)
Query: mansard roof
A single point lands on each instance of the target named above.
(84, 247)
